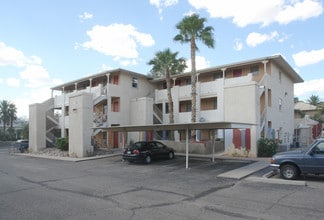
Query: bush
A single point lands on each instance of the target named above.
(63, 144)
(266, 147)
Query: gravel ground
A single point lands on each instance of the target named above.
(59, 153)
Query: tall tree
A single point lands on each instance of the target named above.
(165, 64)
(192, 28)
(4, 114)
(12, 114)
(314, 100)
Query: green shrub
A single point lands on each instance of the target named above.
(63, 144)
(266, 147)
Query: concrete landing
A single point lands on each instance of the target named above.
(245, 171)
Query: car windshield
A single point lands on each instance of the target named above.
(138, 145)
(306, 149)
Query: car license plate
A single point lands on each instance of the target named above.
(129, 152)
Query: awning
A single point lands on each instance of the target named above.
(182, 126)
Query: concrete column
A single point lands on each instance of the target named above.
(266, 100)
(63, 114)
(37, 127)
(80, 114)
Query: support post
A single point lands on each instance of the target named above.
(213, 149)
(187, 147)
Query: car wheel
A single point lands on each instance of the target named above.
(148, 159)
(289, 172)
(171, 155)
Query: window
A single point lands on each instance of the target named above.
(280, 104)
(208, 104)
(134, 82)
(185, 106)
(269, 97)
(178, 82)
(255, 70)
(188, 81)
(166, 108)
(115, 104)
(319, 149)
(159, 145)
(237, 73)
(115, 79)
(217, 76)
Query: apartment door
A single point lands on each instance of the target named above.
(115, 141)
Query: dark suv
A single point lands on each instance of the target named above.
(304, 161)
(21, 145)
(146, 151)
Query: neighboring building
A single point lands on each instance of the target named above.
(258, 91)
(306, 129)
(302, 108)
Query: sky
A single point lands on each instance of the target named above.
(46, 43)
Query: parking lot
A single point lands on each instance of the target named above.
(196, 164)
(108, 188)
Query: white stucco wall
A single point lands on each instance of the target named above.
(281, 89)
(241, 103)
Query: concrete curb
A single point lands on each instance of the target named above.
(275, 181)
(71, 159)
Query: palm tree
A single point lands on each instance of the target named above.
(165, 63)
(192, 28)
(4, 114)
(12, 113)
(314, 100)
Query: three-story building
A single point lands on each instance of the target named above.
(259, 92)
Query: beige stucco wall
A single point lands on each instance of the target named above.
(80, 114)
(37, 127)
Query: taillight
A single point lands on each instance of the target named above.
(135, 152)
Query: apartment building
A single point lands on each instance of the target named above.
(258, 92)
(117, 97)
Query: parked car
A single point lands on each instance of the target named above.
(293, 163)
(21, 145)
(145, 151)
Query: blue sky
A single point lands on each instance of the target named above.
(46, 43)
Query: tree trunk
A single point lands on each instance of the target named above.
(171, 115)
(193, 80)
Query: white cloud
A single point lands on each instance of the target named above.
(85, 16)
(105, 67)
(305, 58)
(13, 82)
(32, 72)
(254, 39)
(248, 12)
(10, 56)
(161, 4)
(308, 88)
(201, 63)
(238, 45)
(299, 10)
(36, 76)
(117, 40)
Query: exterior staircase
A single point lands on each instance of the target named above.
(51, 123)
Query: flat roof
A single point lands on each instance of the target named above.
(179, 126)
